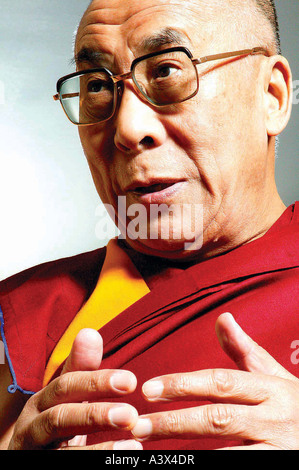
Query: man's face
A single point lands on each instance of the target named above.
(210, 150)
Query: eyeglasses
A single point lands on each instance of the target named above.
(162, 78)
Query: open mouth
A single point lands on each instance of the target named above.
(154, 188)
(155, 191)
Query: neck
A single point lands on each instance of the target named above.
(246, 223)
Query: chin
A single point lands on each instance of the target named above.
(167, 249)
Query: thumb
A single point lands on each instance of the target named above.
(86, 353)
(247, 354)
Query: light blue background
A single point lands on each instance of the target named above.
(49, 208)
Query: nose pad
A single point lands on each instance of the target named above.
(119, 93)
(120, 88)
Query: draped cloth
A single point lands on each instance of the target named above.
(171, 328)
(119, 286)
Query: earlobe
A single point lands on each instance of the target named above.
(278, 95)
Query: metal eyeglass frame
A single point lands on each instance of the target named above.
(130, 75)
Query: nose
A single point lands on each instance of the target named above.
(137, 124)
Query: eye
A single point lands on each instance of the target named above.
(164, 71)
(95, 86)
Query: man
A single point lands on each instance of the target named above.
(194, 123)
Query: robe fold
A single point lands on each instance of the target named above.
(169, 329)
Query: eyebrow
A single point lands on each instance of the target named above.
(88, 55)
(165, 37)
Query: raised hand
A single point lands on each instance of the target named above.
(65, 411)
(257, 405)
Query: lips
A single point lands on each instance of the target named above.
(154, 191)
(153, 188)
(150, 186)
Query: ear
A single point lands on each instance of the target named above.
(279, 93)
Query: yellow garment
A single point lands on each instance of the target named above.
(119, 286)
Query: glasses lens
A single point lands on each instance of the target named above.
(166, 78)
(88, 98)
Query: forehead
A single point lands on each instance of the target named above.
(110, 24)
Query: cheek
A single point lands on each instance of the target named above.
(228, 120)
(199, 126)
(96, 140)
(219, 129)
(96, 151)
(200, 131)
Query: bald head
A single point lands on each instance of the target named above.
(266, 21)
(218, 147)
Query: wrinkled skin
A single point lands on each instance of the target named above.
(217, 144)
(220, 147)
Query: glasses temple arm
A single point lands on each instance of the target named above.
(225, 55)
(65, 96)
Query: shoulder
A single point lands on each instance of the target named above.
(56, 288)
(37, 305)
(83, 269)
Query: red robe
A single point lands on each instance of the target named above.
(171, 329)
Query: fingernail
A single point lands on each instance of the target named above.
(153, 389)
(122, 381)
(122, 416)
(143, 428)
(127, 445)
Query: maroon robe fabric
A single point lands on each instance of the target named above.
(171, 329)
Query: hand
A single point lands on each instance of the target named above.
(260, 408)
(69, 405)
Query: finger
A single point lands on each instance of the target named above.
(62, 422)
(86, 353)
(247, 354)
(261, 446)
(220, 385)
(236, 422)
(77, 441)
(86, 386)
(118, 445)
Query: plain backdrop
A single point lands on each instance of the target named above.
(48, 206)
